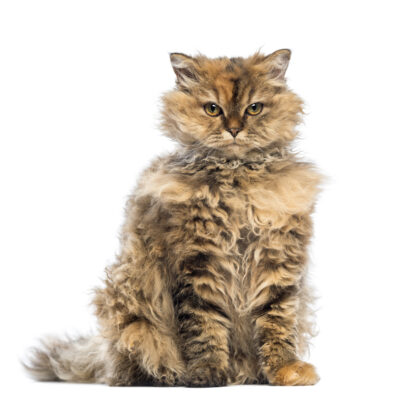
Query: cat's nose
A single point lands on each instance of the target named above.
(234, 131)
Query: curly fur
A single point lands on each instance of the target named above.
(209, 287)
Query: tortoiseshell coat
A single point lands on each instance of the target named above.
(212, 270)
(210, 285)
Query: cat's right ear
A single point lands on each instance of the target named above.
(184, 67)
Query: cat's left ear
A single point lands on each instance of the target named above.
(184, 67)
(276, 64)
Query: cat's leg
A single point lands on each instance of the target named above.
(201, 309)
(136, 314)
(155, 351)
(276, 316)
(125, 369)
(276, 327)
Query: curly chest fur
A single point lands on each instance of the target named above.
(244, 214)
(231, 238)
(241, 214)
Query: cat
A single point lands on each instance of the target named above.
(210, 285)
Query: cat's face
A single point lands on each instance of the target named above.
(233, 105)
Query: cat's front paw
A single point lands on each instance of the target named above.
(298, 373)
(168, 377)
(206, 376)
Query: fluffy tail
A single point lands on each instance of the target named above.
(74, 360)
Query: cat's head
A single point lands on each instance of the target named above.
(234, 105)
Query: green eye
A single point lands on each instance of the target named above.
(212, 109)
(254, 109)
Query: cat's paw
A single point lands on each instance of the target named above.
(298, 373)
(206, 376)
(168, 377)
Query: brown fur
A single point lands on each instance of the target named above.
(296, 374)
(210, 285)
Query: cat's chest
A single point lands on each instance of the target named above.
(238, 200)
(243, 199)
(260, 200)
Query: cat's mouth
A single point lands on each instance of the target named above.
(231, 144)
(236, 148)
(234, 143)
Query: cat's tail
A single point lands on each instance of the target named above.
(75, 360)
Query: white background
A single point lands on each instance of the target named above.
(80, 83)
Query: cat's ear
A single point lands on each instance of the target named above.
(276, 63)
(184, 67)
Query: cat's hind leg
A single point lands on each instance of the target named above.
(136, 315)
(147, 356)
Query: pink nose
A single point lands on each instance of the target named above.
(234, 131)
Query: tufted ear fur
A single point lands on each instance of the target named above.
(275, 64)
(185, 69)
(279, 61)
